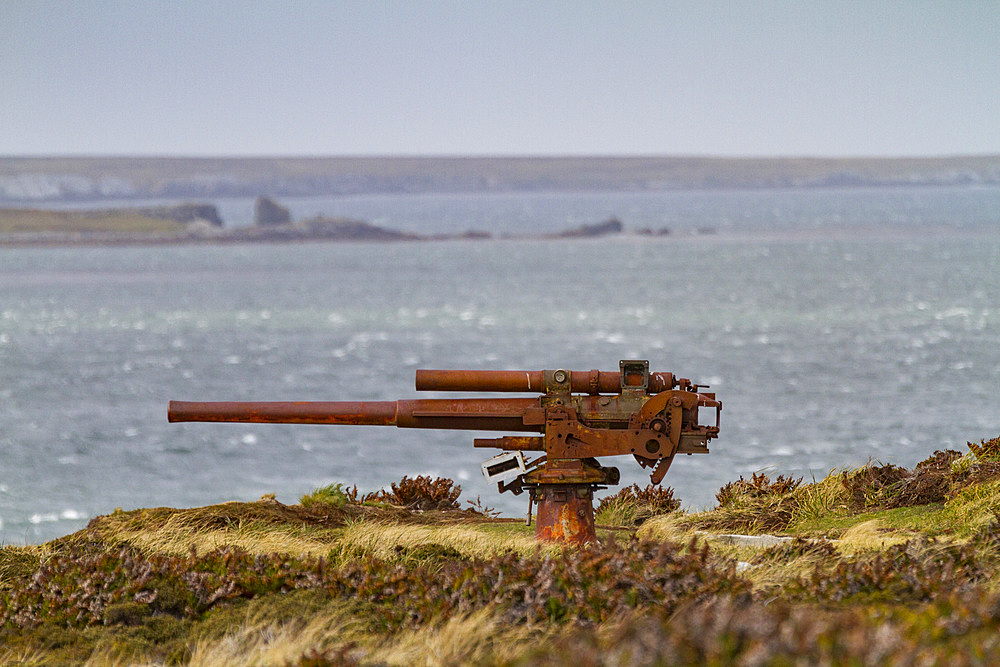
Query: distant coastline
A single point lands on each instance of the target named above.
(30, 181)
(200, 223)
(48, 201)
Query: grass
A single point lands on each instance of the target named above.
(333, 495)
(876, 564)
(17, 562)
(14, 221)
(396, 542)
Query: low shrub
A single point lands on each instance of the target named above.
(420, 492)
(917, 571)
(332, 494)
(632, 505)
(758, 486)
(934, 480)
(90, 586)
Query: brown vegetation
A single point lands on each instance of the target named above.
(355, 579)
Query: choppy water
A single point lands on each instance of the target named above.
(828, 348)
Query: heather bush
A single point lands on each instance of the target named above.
(420, 492)
(79, 587)
(632, 505)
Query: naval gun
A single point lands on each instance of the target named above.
(579, 416)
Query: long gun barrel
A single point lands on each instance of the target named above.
(579, 415)
(474, 414)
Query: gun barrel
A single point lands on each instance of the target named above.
(584, 382)
(476, 414)
(368, 413)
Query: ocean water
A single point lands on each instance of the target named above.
(836, 326)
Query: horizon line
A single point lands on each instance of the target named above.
(490, 156)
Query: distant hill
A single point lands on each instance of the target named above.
(61, 179)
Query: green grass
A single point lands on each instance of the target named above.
(333, 494)
(36, 221)
(931, 520)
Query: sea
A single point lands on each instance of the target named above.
(837, 326)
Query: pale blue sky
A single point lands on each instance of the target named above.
(527, 78)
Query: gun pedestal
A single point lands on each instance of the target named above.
(564, 489)
(565, 513)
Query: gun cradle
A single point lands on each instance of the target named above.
(653, 429)
(580, 416)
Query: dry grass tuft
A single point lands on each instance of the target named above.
(479, 638)
(873, 535)
(821, 499)
(632, 505)
(251, 537)
(395, 542)
(666, 528)
(19, 561)
(975, 507)
(261, 527)
(334, 638)
(772, 568)
(269, 642)
(758, 486)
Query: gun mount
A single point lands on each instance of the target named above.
(580, 415)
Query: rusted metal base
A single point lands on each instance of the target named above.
(565, 513)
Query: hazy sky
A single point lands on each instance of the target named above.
(472, 77)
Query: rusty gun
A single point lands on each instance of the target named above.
(580, 415)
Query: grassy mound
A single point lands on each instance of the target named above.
(877, 564)
(14, 221)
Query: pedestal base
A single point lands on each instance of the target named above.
(565, 513)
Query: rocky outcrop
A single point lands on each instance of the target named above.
(609, 226)
(319, 229)
(268, 212)
(348, 229)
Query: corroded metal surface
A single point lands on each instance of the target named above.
(583, 382)
(565, 513)
(368, 413)
(580, 415)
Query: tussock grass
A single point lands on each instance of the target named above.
(395, 542)
(347, 530)
(821, 499)
(481, 637)
(872, 535)
(478, 638)
(262, 527)
(331, 494)
(771, 569)
(263, 641)
(26, 657)
(18, 561)
(771, 514)
(974, 507)
(948, 495)
(666, 528)
(250, 536)
(632, 505)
